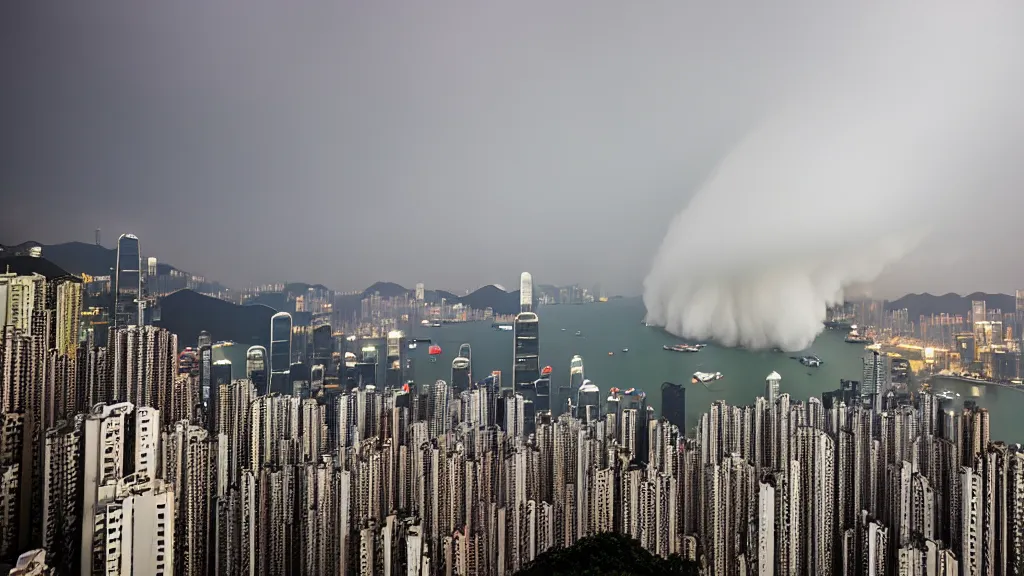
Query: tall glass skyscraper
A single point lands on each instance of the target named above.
(256, 368)
(280, 352)
(127, 294)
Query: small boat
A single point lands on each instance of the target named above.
(811, 360)
(563, 329)
(624, 350)
(412, 345)
(578, 333)
(611, 353)
(705, 377)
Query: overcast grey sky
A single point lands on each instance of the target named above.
(454, 143)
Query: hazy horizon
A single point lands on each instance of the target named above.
(458, 145)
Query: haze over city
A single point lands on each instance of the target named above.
(458, 144)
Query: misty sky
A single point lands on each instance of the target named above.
(454, 143)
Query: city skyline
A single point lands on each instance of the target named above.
(124, 453)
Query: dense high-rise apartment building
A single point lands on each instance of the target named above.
(280, 352)
(127, 294)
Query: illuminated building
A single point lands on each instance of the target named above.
(526, 292)
(526, 368)
(127, 295)
(256, 368)
(394, 362)
(280, 352)
(460, 375)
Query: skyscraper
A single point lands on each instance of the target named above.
(128, 282)
(526, 292)
(280, 352)
(673, 404)
(256, 368)
(526, 368)
(771, 387)
(460, 375)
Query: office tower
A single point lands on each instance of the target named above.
(316, 379)
(323, 345)
(204, 339)
(526, 368)
(460, 380)
(280, 352)
(394, 362)
(366, 369)
(526, 292)
(772, 384)
(299, 375)
(420, 294)
(205, 361)
(542, 389)
(220, 377)
(588, 403)
(256, 368)
(875, 379)
(673, 404)
(128, 303)
(568, 390)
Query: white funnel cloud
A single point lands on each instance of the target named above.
(846, 177)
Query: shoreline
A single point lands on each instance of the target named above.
(976, 381)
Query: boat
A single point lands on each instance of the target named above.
(435, 324)
(945, 395)
(624, 350)
(611, 353)
(505, 327)
(578, 333)
(811, 360)
(705, 377)
(855, 337)
(680, 348)
(412, 345)
(563, 329)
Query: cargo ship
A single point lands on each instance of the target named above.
(855, 337)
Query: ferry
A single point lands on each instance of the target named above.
(855, 337)
(705, 377)
(681, 348)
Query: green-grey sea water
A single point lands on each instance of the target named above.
(618, 324)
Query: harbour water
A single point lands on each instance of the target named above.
(618, 324)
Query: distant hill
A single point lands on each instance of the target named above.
(491, 296)
(187, 313)
(928, 304)
(607, 554)
(386, 290)
(25, 265)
